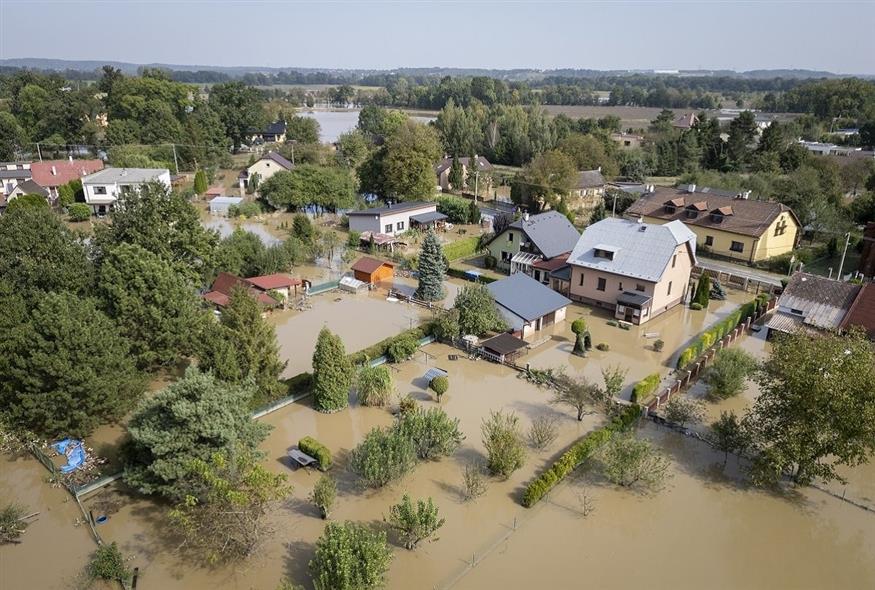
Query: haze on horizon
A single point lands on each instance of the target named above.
(505, 34)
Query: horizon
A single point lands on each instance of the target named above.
(502, 35)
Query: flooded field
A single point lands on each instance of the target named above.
(334, 123)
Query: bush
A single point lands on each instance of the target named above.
(456, 209)
(382, 457)
(629, 461)
(490, 261)
(108, 563)
(543, 432)
(645, 387)
(473, 483)
(12, 523)
(354, 239)
(719, 330)
(249, 209)
(658, 345)
(415, 523)
(350, 556)
(374, 385)
(726, 376)
(324, 494)
(432, 432)
(504, 443)
(402, 349)
(407, 404)
(439, 385)
(382, 348)
(577, 454)
(682, 410)
(696, 306)
(603, 346)
(461, 248)
(79, 212)
(612, 323)
(316, 450)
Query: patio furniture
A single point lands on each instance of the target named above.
(301, 458)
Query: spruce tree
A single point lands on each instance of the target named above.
(200, 182)
(431, 269)
(457, 175)
(332, 373)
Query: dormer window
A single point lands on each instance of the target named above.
(604, 251)
(672, 206)
(718, 215)
(693, 209)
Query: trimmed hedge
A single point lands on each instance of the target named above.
(577, 454)
(461, 248)
(715, 333)
(382, 348)
(316, 450)
(645, 387)
(460, 274)
(300, 383)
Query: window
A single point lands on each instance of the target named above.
(399, 226)
(709, 240)
(737, 247)
(717, 217)
(674, 260)
(692, 213)
(781, 227)
(669, 288)
(669, 208)
(581, 279)
(602, 284)
(607, 254)
(510, 236)
(99, 190)
(388, 228)
(620, 286)
(506, 256)
(639, 287)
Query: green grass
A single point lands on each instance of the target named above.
(461, 248)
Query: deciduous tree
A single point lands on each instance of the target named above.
(415, 523)
(503, 440)
(477, 310)
(633, 462)
(727, 374)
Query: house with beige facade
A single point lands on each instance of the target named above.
(472, 174)
(638, 270)
(729, 224)
(266, 166)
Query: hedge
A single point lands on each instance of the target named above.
(382, 348)
(645, 387)
(577, 454)
(460, 274)
(300, 383)
(715, 333)
(461, 248)
(316, 450)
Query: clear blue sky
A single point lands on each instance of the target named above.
(739, 35)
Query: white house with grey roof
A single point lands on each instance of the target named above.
(395, 218)
(526, 244)
(102, 189)
(527, 305)
(638, 270)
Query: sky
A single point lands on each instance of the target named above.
(619, 34)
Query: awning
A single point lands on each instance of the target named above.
(429, 217)
(634, 300)
(784, 322)
(524, 259)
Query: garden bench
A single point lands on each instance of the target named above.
(301, 458)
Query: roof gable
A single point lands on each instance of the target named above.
(550, 232)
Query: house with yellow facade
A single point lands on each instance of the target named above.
(729, 224)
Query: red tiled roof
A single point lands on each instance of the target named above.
(862, 312)
(274, 281)
(553, 263)
(225, 283)
(65, 171)
(214, 191)
(369, 265)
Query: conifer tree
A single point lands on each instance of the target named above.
(331, 373)
(457, 175)
(200, 182)
(431, 269)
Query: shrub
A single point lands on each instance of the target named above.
(504, 443)
(603, 346)
(726, 376)
(658, 345)
(402, 349)
(354, 239)
(415, 523)
(79, 212)
(382, 348)
(695, 306)
(682, 410)
(543, 432)
(407, 404)
(490, 261)
(629, 461)
(624, 326)
(439, 385)
(108, 563)
(446, 326)
(316, 450)
(249, 209)
(324, 494)
(645, 388)
(432, 432)
(473, 483)
(577, 454)
(612, 323)
(12, 523)
(350, 556)
(456, 209)
(374, 385)
(578, 326)
(382, 457)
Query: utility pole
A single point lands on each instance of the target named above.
(175, 161)
(844, 252)
(39, 152)
(614, 207)
(476, 182)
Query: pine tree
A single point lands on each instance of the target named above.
(457, 175)
(331, 373)
(200, 182)
(473, 213)
(703, 291)
(431, 269)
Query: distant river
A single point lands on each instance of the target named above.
(335, 123)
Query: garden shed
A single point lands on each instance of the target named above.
(503, 348)
(372, 271)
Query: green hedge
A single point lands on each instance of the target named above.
(382, 348)
(645, 387)
(300, 383)
(316, 450)
(460, 274)
(461, 248)
(577, 454)
(715, 333)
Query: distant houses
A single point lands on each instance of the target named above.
(265, 167)
(726, 223)
(589, 188)
(102, 189)
(273, 133)
(259, 288)
(52, 174)
(530, 242)
(638, 270)
(469, 174)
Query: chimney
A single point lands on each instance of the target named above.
(54, 171)
(641, 219)
(526, 216)
(691, 188)
(746, 195)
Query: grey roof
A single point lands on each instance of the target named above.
(29, 187)
(823, 302)
(395, 208)
(590, 179)
(482, 164)
(562, 273)
(20, 173)
(633, 299)
(550, 232)
(226, 200)
(112, 175)
(642, 250)
(278, 159)
(525, 297)
(428, 217)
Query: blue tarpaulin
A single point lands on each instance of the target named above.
(75, 452)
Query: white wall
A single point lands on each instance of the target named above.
(377, 223)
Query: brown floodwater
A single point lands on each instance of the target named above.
(704, 530)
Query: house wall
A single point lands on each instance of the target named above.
(265, 168)
(774, 245)
(503, 248)
(378, 222)
(101, 203)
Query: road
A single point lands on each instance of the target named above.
(740, 270)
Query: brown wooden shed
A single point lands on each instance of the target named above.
(372, 271)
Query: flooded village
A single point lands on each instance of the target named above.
(412, 331)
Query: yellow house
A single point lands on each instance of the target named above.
(726, 223)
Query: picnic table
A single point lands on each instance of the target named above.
(301, 458)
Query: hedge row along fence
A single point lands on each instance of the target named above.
(460, 274)
(645, 388)
(317, 450)
(715, 333)
(399, 341)
(461, 248)
(577, 454)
